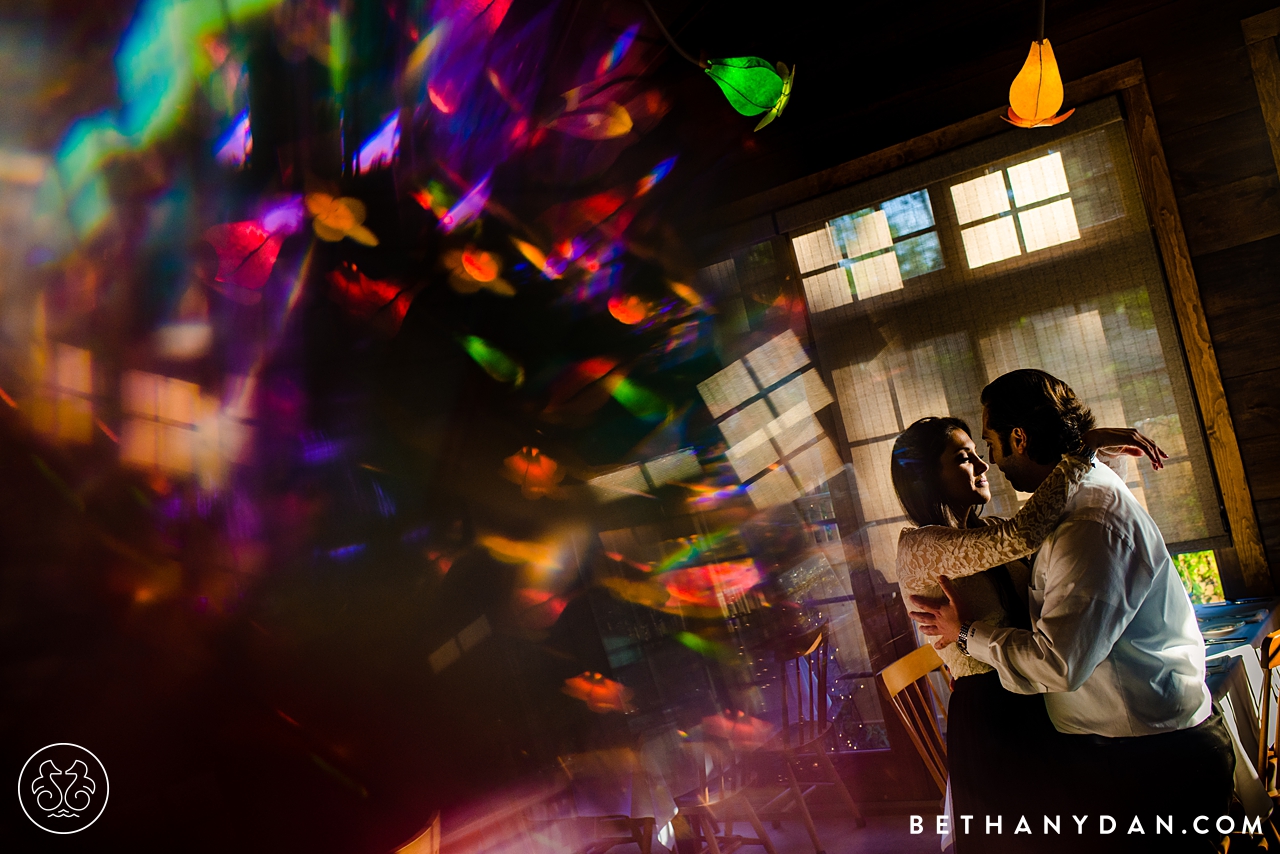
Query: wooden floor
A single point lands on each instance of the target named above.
(884, 834)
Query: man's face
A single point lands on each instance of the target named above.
(1012, 465)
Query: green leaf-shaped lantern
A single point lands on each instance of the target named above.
(753, 86)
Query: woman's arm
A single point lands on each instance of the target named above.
(934, 550)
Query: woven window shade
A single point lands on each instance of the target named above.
(1063, 277)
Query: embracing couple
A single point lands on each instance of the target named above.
(1079, 678)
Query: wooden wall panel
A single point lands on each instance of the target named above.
(1269, 519)
(1255, 403)
(1217, 218)
(1214, 81)
(1240, 292)
(1218, 152)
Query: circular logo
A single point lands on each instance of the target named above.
(63, 788)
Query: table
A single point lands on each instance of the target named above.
(1235, 681)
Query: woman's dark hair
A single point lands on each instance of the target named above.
(1045, 407)
(916, 468)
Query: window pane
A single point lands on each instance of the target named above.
(862, 233)
(750, 420)
(877, 275)
(815, 250)
(990, 242)
(72, 371)
(780, 356)
(752, 455)
(908, 214)
(828, 290)
(1049, 225)
(726, 389)
(1039, 179)
(919, 255)
(875, 488)
(980, 198)
(774, 488)
(814, 465)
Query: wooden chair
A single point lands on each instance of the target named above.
(900, 685)
(723, 783)
(593, 832)
(1267, 741)
(802, 673)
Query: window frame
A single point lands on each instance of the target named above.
(1243, 567)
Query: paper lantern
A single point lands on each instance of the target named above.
(1036, 94)
(753, 85)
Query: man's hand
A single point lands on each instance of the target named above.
(938, 618)
(1117, 441)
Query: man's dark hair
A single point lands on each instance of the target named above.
(916, 466)
(1045, 407)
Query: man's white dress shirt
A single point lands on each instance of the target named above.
(1114, 645)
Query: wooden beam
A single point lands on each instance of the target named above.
(1261, 27)
(1162, 208)
(1260, 34)
(944, 139)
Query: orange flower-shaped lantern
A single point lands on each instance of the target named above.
(535, 472)
(600, 694)
(336, 218)
(1036, 94)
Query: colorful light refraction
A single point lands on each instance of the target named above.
(753, 85)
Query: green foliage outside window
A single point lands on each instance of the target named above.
(1199, 574)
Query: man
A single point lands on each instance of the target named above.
(1113, 646)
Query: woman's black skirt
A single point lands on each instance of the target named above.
(1001, 751)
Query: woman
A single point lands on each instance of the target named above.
(996, 740)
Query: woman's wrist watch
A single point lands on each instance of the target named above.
(962, 641)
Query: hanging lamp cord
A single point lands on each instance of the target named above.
(680, 50)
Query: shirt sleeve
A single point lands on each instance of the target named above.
(1091, 594)
(925, 553)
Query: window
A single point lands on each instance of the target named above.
(1041, 207)
(869, 252)
(160, 421)
(1044, 259)
(170, 425)
(764, 405)
(63, 406)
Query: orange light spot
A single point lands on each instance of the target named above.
(629, 310)
(480, 266)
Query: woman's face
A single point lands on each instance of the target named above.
(963, 472)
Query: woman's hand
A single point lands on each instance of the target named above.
(1122, 440)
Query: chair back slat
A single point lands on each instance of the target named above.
(803, 669)
(917, 707)
(909, 668)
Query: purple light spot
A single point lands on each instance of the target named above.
(236, 144)
(380, 148)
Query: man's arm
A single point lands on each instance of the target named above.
(1092, 591)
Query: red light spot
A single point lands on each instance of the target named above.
(629, 310)
(438, 100)
(480, 266)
